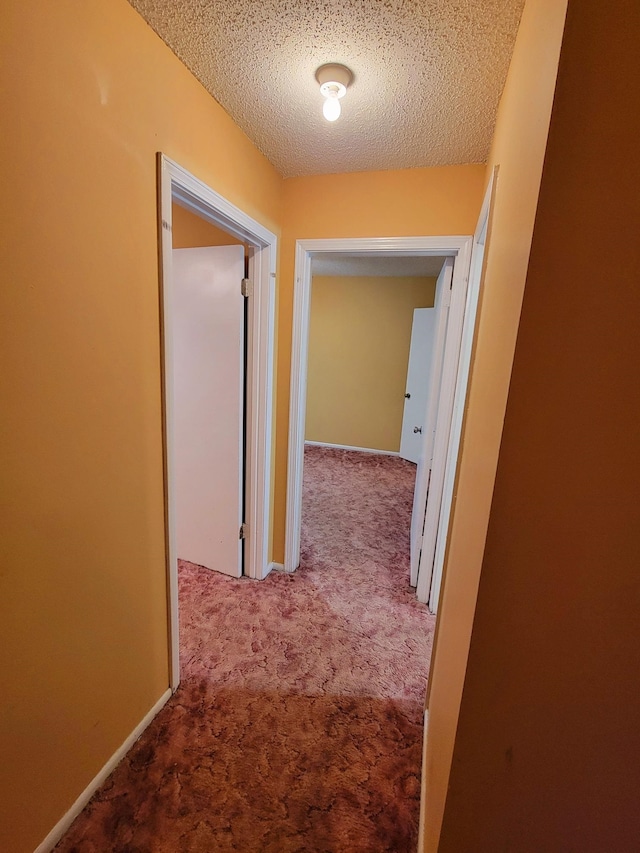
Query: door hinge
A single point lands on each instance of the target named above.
(243, 531)
(166, 225)
(245, 287)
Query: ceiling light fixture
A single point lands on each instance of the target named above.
(334, 80)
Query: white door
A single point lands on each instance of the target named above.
(423, 332)
(208, 383)
(423, 472)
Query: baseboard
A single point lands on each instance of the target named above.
(423, 780)
(65, 822)
(351, 447)
(275, 567)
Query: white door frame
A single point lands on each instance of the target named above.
(458, 247)
(430, 574)
(175, 183)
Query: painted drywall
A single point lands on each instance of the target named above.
(89, 95)
(359, 338)
(546, 750)
(190, 231)
(409, 202)
(518, 149)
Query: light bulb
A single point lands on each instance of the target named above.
(331, 108)
(334, 80)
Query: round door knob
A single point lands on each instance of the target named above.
(417, 429)
(407, 396)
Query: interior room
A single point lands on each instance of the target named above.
(521, 112)
(359, 342)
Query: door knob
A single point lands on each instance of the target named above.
(417, 429)
(407, 396)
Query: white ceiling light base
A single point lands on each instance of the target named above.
(334, 80)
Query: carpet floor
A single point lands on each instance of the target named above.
(297, 727)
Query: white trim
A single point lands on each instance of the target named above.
(176, 183)
(425, 738)
(297, 405)
(275, 567)
(65, 822)
(460, 394)
(443, 420)
(457, 247)
(352, 447)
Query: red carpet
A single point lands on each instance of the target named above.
(298, 724)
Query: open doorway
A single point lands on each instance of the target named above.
(182, 192)
(372, 335)
(450, 299)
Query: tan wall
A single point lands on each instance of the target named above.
(359, 337)
(409, 202)
(546, 753)
(518, 149)
(190, 231)
(89, 95)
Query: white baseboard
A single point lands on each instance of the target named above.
(351, 447)
(423, 779)
(65, 822)
(275, 567)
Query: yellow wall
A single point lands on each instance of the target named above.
(518, 149)
(408, 202)
(547, 745)
(359, 337)
(190, 231)
(90, 94)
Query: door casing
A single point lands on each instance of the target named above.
(430, 578)
(175, 182)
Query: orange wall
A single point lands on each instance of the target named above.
(546, 753)
(90, 94)
(409, 202)
(518, 149)
(190, 231)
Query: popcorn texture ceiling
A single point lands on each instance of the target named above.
(428, 75)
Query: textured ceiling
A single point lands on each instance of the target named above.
(428, 75)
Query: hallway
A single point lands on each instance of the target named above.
(298, 723)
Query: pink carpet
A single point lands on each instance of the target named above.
(298, 724)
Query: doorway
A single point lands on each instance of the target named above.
(179, 186)
(452, 304)
(368, 374)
